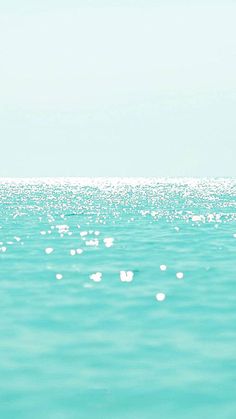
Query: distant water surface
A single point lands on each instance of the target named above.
(118, 298)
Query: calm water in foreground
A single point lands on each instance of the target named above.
(79, 338)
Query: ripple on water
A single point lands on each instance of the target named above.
(75, 323)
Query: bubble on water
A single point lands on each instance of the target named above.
(234, 235)
(18, 239)
(72, 252)
(49, 250)
(96, 277)
(3, 249)
(160, 296)
(179, 275)
(126, 276)
(43, 232)
(59, 276)
(96, 233)
(163, 267)
(177, 228)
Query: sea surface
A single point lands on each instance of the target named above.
(117, 298)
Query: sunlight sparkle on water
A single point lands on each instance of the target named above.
(96, 277)
(160, 296)
(49, 250)
(126, 276)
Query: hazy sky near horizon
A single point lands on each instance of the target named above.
(117, 88)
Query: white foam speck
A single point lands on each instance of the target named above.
(59, 276)
(79, 251)
(163, 267)
(72, 252)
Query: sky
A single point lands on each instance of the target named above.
(117, 88)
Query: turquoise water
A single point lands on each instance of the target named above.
(76, 346)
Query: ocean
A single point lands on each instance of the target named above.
(117, 298)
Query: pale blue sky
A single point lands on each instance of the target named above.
(117, 88)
